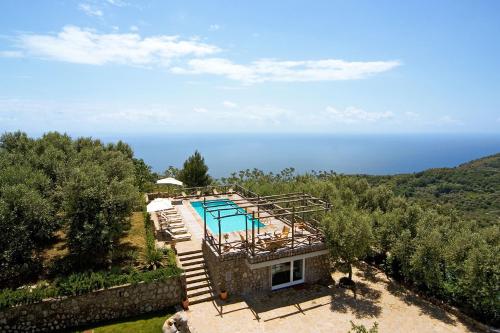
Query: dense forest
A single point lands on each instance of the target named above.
(472, 189)
(83, 187)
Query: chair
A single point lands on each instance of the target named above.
(215, 192)
(230, 191)
(283, 233)
(198, 194)
(181, 237)
(184, 194)
(244, 242)
(180, 230)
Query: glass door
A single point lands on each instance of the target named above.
(287, 274)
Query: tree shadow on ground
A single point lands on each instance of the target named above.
(300, 300)
(425, 307)
(361, 301)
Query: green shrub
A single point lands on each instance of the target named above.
(82, 283)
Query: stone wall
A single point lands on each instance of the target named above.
(114, 303)
(318, 269)
(240, 279)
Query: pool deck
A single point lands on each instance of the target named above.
(194, 223)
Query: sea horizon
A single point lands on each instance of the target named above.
(373, 154)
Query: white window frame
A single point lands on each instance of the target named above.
(291, 283)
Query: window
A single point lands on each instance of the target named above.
(287, 274)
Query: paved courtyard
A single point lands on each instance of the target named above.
(327, 309)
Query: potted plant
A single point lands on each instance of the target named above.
(185, 302)
(223, 290)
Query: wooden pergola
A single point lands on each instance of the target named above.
(288, 208)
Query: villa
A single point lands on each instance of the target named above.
(230, 238)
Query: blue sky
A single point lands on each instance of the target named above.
(135, 67)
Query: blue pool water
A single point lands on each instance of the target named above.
(228, 224)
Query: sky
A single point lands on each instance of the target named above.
(94, 67)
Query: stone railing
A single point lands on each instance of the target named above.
(101, 305)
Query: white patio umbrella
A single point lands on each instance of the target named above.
(159, 204)
(169, 180)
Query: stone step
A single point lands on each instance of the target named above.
(201, 298)
(190, 257)
(194, 268)
(198, 285)
(187, 253)
(192, 263)
(199, 291)
(196, 279)
(195, 272)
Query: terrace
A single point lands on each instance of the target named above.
(245, 241)
(272, 223)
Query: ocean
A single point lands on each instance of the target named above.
(348, 154)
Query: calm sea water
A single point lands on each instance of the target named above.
(350, 154)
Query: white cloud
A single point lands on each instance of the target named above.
(117, 3)
(85, 46)
(214, 27)
(90, 10)
(449, 120)
(200, 110)
(229, 104)
(412, 115)
(352, 115)
(11, 54)
(287, 71)
(134, 28)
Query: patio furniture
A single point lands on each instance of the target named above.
(180, 237)
(215, 192)
(172, 225)
(198, 194)
(283, 233)
(244, 242)
(181, 230)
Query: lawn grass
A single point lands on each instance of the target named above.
(148, 323)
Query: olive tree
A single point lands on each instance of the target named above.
(348, 236)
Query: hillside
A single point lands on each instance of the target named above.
(472, 188)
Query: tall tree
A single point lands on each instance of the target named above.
(348, 236)
(195, 171)
(99, 198)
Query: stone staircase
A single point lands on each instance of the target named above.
(198, 285)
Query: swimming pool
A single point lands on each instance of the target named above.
(228, 224)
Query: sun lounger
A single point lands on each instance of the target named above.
(215, 192)
(184, 194)
(198, 194)
(176, 224)
(180, 237)
(181, 230)
(230, 191)
(171, 212)
(170, 216)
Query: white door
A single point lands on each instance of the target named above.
(287, 274)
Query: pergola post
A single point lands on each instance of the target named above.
(293, 225)
(258, 214)
(204, 219)
(220, 233)
(253, 234)
(246, 232)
